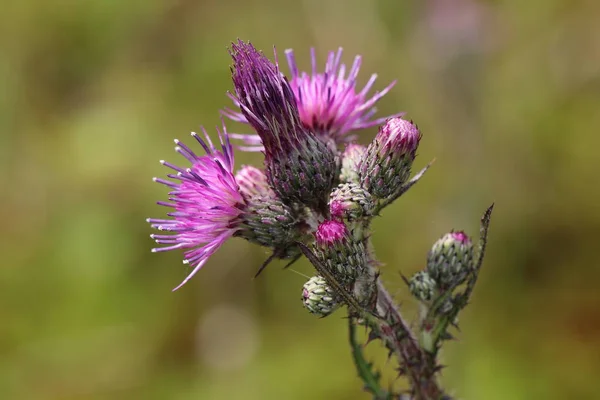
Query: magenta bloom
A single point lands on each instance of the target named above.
(461, 237)
(206, 200)
(330, 232)
(328, 102)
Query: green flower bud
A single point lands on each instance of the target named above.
(318, 298)
(450, 260)
(422, 286)
(345, 257)
(350, 201)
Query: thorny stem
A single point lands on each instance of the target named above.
(388, 325)
(364, 368)
(417, 362)
(399, 339)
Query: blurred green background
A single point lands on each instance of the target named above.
(507, 94)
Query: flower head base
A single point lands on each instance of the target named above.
(450, 260)
(318, 298)
(340, 253)
(329, 102)
(269, 222)
(206, 200)
(386, 165)
(300, 167)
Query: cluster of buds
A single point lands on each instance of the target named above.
(449, 264)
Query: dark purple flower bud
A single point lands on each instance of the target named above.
(300, 166)
(387, 164)
(450, 260)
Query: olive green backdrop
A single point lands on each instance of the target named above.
(93, 92)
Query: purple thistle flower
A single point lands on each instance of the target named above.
(328, 102)
(206, 200)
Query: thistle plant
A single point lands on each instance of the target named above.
(316, 196)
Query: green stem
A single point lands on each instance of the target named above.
(364, 368)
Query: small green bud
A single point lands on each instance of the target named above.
(450, 260)
(318, 298)
(422, 286)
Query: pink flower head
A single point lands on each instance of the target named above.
(329, 103)
(399, 136)
(206, 200)
(330, 232)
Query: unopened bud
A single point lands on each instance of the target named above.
(350, 201)
(345, 257)
(450, 260)
(318, 297)
(253, 182)
(350, 160)
(387, 164)
(423, 286)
